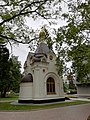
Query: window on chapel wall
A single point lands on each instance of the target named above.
(50, 86)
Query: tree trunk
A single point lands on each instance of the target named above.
(3, 94)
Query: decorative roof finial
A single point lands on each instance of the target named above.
(43, 35)
(45, 38)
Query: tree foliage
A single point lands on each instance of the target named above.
(77, 29)
(13, 15)
(14, 73)
(80, 56)
(73, 39)
(4, 67)
(10, 74)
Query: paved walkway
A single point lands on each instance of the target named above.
(77, 112)
(82, 99)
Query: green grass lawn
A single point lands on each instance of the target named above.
(5, 104)
(9, 106)
(12, 96)
(8, 98)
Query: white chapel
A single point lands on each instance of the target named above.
(41, 82)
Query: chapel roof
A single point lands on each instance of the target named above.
(27, 78)
(43, 48)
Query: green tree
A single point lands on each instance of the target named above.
(13, 15)
(73, 39)
(70, 78)
(9, 72)
(80, 56)
(77, 30)
(4, 68)
(14, 73)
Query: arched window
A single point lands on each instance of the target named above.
(50, 86)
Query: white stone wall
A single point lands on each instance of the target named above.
(26, 91)
(42, 71)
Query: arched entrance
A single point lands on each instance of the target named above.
(50, 86)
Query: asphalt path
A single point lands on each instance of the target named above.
(76, 112)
